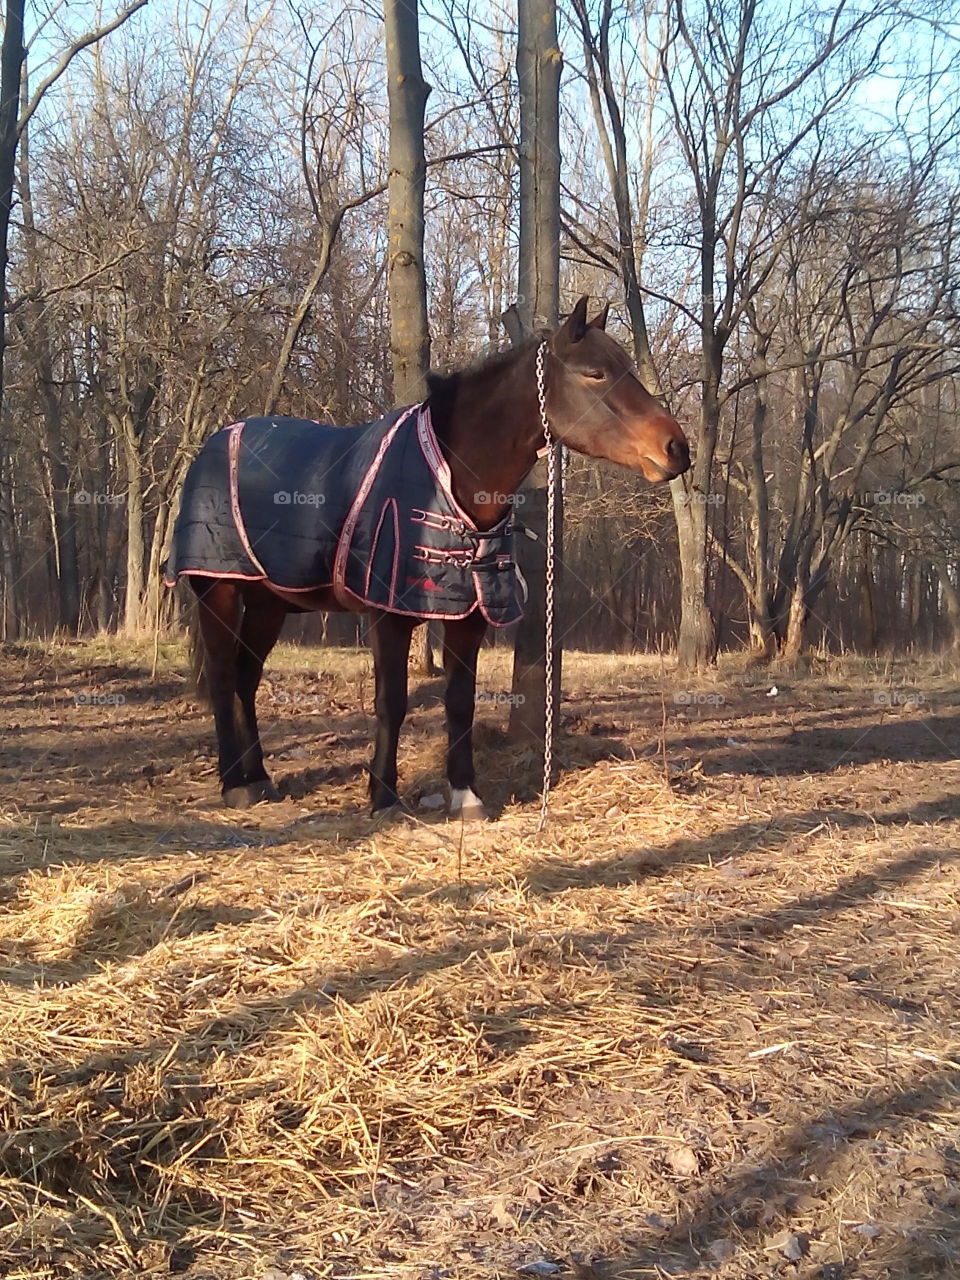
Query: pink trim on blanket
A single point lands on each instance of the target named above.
(353, 515)
(405, 613)
(438, 464)
(234, 456)
(210, 573)
(389, 505)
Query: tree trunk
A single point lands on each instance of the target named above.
(697, 642)
(763, 641)
(40, 348)
(916, 594)
(407, 94)
(870, 639)
(406, 279)
(133, 615)
(64, 512)
(792, 647)
(539, 63)
(696, 645)
(9, 561)
(130, 425)
(951, 600)
(12, 54)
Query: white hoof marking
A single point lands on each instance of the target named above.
(466, 804)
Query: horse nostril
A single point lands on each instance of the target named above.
(677, 450)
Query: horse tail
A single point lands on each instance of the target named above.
(198, 668)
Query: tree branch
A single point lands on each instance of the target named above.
(78, 46)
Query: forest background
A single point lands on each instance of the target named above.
(767, 192)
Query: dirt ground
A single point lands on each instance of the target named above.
(704, 1025)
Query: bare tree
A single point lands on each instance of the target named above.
(539, 64)
(743, 102)
(14, 119)
(407, 92)
(608, 111)
(862, 317)
(147, 303)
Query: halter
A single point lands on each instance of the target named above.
(550, 448)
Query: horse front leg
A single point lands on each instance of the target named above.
(461, 645)
(390, 641)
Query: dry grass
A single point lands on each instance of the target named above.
(706, 1024)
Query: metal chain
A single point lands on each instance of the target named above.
(550, 589)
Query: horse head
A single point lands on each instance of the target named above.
(597, 405)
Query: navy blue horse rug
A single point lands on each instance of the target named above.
(368, 511)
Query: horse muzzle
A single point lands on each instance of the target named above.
(672, 462)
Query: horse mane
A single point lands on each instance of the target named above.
(443, 388)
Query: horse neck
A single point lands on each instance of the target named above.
(492, 429)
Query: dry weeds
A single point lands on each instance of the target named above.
(706, 1024)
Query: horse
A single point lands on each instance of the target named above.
(400, 558)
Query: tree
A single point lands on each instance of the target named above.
(407, 93)
(860, 313)
(744, 102)
(13, 122)
(608, 113)
(539, 64)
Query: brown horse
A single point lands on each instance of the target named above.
(489, 424)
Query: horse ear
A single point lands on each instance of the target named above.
(599, 321)
(575, 325)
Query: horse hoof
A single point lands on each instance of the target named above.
(466, 805)
(249, 794)
(262, 790)
(389, 813)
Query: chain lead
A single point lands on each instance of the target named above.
(550, 589)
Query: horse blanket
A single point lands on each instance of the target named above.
(368, 511)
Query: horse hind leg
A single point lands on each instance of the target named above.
(260, 629)
(219, 617)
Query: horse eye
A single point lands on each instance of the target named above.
(595, 375)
